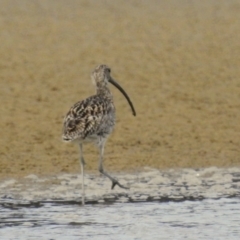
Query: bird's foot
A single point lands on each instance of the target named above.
(115, 182)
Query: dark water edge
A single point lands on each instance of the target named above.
(15, 204)
(189, 219)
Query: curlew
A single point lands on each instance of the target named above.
(93, 119)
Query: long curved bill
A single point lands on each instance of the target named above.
(113, 82)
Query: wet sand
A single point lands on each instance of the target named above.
(146, 186)
(178, 60)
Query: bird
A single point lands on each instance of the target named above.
(92, 120)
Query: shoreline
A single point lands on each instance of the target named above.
(150, 185)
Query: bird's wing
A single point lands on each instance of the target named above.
(83, 118)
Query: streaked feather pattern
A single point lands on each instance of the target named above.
(89, 119)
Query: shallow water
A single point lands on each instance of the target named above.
(207, 219)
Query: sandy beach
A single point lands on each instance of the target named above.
(177, 60)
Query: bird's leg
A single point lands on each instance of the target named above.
(101, 170)
(82, 163)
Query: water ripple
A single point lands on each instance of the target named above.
(207, 219)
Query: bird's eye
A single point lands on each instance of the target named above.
(109, 70)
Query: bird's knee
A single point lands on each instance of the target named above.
(82, 161)
(100, 169)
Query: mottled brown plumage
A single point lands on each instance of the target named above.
(85, 119)
(93, 119)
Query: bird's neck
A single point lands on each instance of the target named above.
(104, 91)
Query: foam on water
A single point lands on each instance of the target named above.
(207, 219)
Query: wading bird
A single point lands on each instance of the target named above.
(93, 119)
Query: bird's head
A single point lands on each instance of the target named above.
(101, 77)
